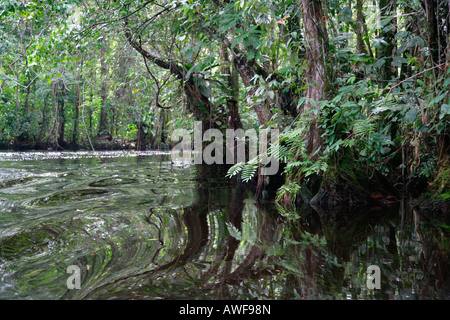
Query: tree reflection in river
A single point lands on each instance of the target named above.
(248, 250)
(152, 230)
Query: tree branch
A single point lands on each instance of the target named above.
(413, 76)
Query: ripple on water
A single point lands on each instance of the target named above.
(112, 182)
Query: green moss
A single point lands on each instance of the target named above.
(441, 185)
(445, 196)
(436, 201)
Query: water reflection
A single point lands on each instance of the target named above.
(140, 227)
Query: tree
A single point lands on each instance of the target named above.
(387, 33)
(317, 74)
(359, 90)
(103, 126)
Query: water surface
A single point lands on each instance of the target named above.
(141, 227)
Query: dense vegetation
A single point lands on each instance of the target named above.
(359, 89)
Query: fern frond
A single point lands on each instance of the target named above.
(233, 231)
(248, 171)
(364, 127)
(235, 169)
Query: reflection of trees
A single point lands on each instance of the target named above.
(359, 238)
(433, 260)
(235, 218)
(306, 255)
(197, 263)
(408, 252)
(265, 235)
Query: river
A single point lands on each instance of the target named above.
(138, 226)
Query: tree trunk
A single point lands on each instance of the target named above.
(447, 35)
(113, 121)
(17, 106)
(388, 9)
(62, 117)
(234, 121)
(24, 134)
(77, 117)
(161, 132)
(90, 114)
(103, 126)
(247, 73)
(317, 71)
(43, 124)
(54, 132)
(162, 125)
(140, 141)
(430, 8)
(362, 41)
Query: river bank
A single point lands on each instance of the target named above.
(104, 143)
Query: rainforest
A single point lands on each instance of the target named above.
(354, 96)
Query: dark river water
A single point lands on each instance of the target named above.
(138, 226)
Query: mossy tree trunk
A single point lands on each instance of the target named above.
(317, 74)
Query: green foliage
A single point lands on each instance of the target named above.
(389, 108)
(245, 170)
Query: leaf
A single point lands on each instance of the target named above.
(411, 115)
(237, 40)
(233, 231)
(438, 98)
(401, 34)
(351, 79)
(445, 110)
(300, 102)
(188, 74)
(398, 61)
(251, 41)
(446, 82)
(411, 42)
(248, 172)
(251, 54)
(378, 42)
(363, 127)
(346, 13)
(360, 57)
(235, 169)
(205, 91)
(379, 63)
(385, 21)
